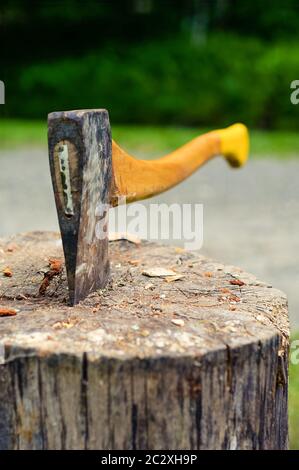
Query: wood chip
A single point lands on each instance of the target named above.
(134, 262)
(55, 269)
(174, 278)
(178, 249)
(11, 247)
(158, 272)
(55, 264)
(7, 312)
(237, 282)
(116, 236)
(7, 272)
(207, 274)
(69, 323)
(178, 322)
(144, 333)
(149, 286)
(225, 290)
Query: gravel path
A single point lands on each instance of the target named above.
(250, 216)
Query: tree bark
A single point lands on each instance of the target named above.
(196, 363)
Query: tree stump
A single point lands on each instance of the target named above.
(197, 360)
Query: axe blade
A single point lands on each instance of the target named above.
(81, 168)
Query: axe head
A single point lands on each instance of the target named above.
(81, 168)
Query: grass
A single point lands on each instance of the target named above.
(149, 140)
(15, 133)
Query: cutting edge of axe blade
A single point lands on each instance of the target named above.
(90, 172)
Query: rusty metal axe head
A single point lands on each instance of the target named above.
(81, 169)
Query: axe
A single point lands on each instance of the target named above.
(90, 172)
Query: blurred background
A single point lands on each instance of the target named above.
(182, 62)
(166, 71)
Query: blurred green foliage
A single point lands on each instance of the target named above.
(173, 82)
(175, 62)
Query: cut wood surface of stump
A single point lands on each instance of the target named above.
(191, 360)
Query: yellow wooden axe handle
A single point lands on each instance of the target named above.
(140, 179)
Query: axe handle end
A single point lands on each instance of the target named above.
(234, 144)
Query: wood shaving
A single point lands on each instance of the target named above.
(174, 278)
(7, 272)
(55, 269)
(7, 312)
(237, 282)
(159, 272)
(115, 236)
(178, 322)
